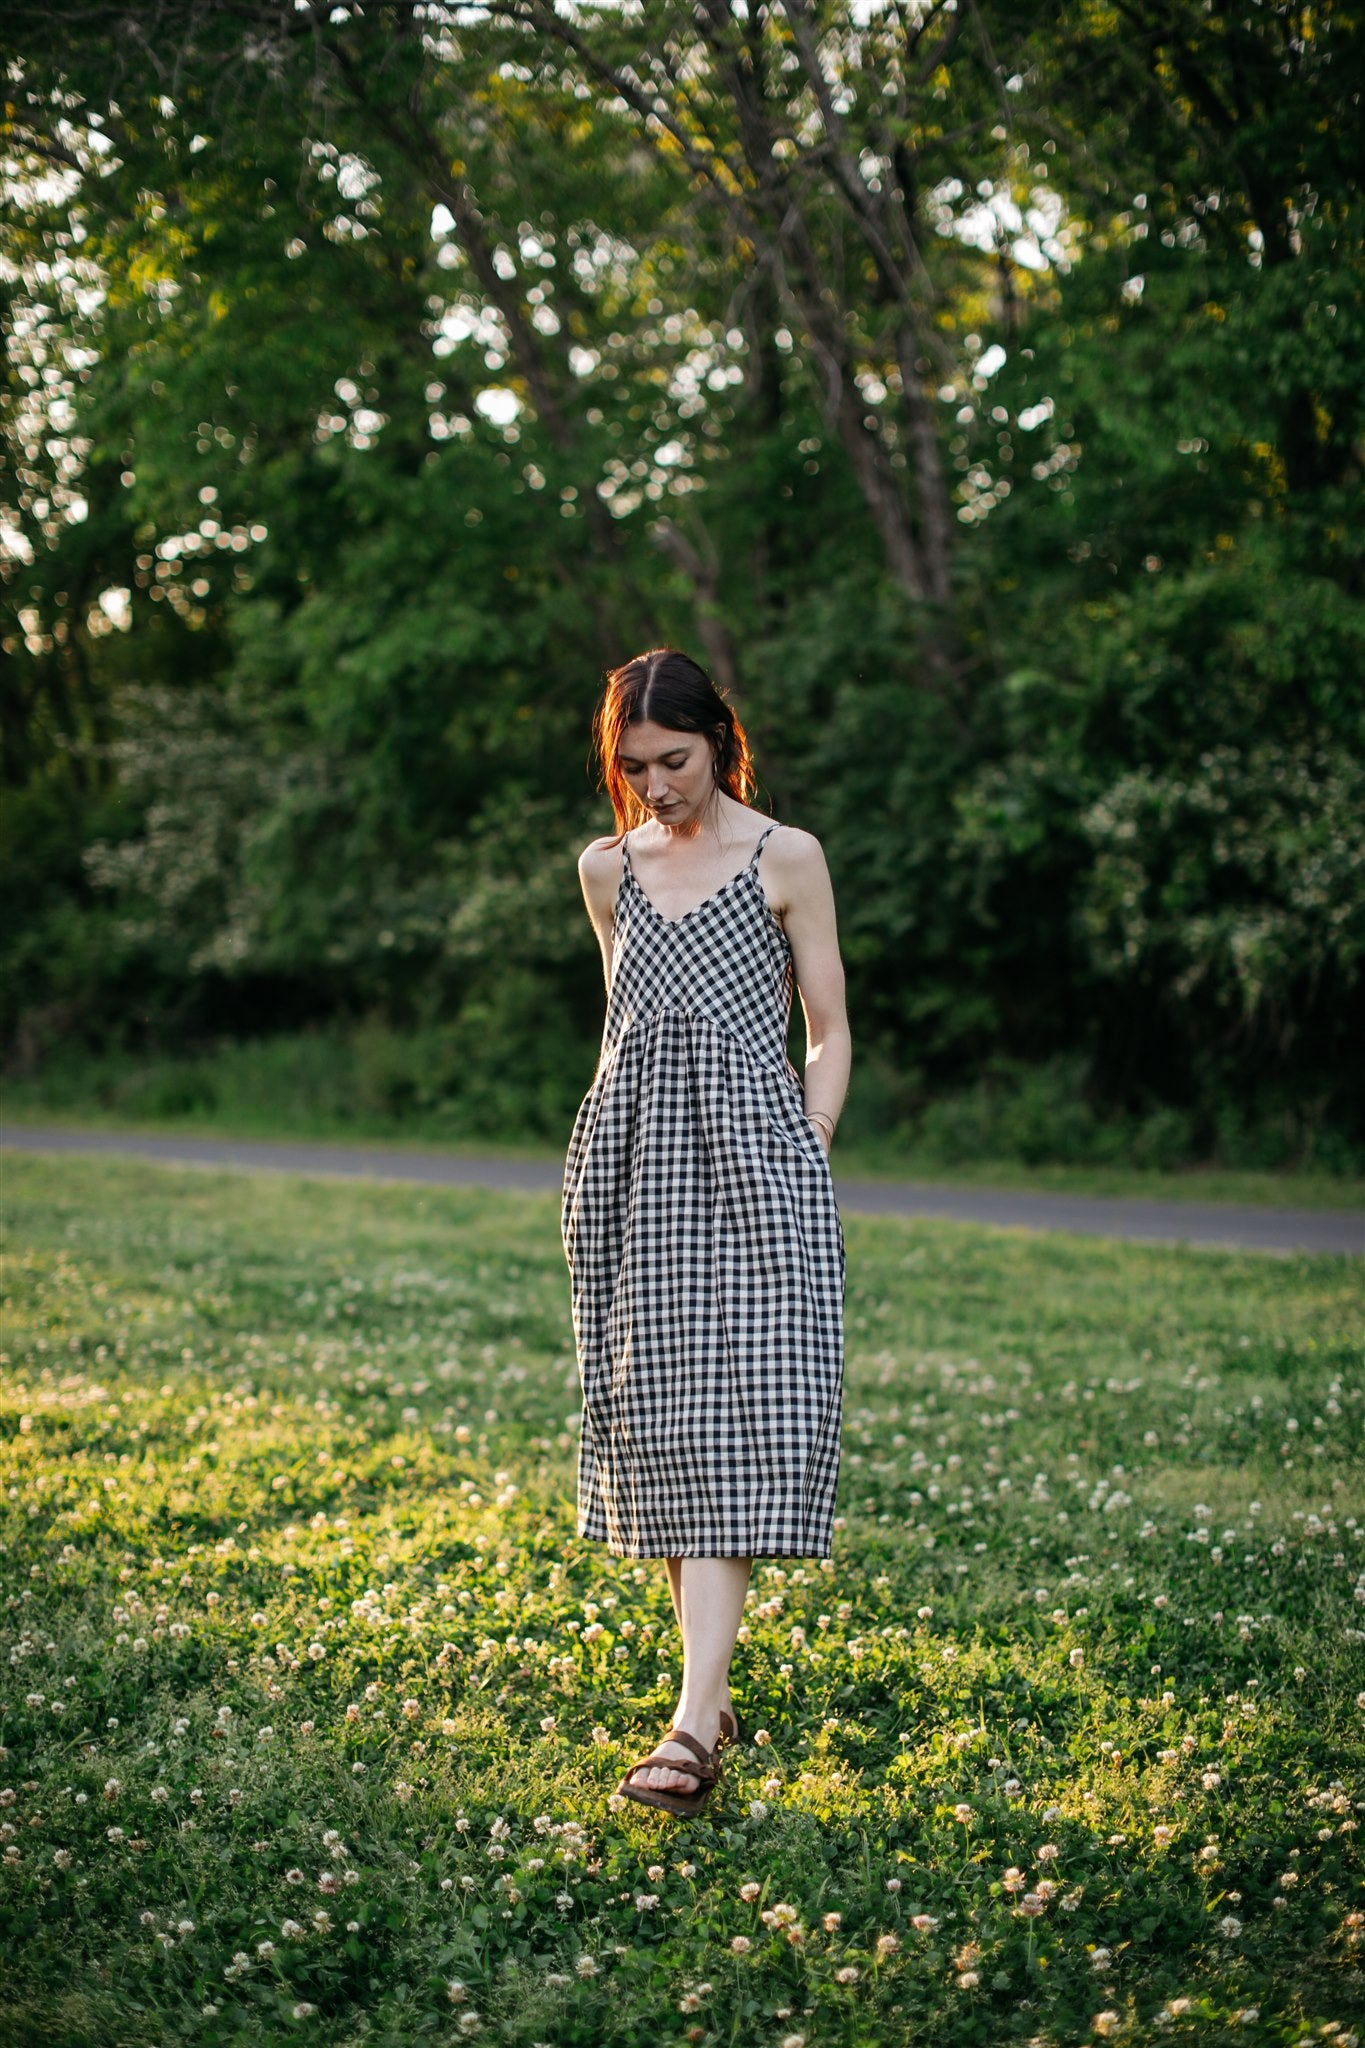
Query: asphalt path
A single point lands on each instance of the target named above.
(1192, 1223)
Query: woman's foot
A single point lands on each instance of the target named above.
(659, 1779)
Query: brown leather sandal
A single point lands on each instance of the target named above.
(729, 1730)
(685, 1804)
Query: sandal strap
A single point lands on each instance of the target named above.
(680, 1735)
(704, 1770)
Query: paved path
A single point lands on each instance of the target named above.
(1207, 1223)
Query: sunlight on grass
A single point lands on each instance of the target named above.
(316, 1703)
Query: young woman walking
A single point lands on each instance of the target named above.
(700, 1226)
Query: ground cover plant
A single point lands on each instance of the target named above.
(314, 1704)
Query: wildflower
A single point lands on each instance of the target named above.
(793, 2041)
(967, 1980)
(645, 1902)
(655, 1872)
(322, 1921)
(741, 1944)
(924, 1922)
(586, 1967)
(293, 1875)
(328, 1881)
(689, 2002)
(1161, 1834)
(470, 2022)
(1246, 2015)
(303, 2010)
(456, 1991)
(893, 1884)
(1032, 1904)
(831, 1922)
(1076, 1660)
(749, 1892)
(112, 1788)
(962, 1811)
(1229, 1926)
(265, 1950)
(62, 1858)
(1048, 1852)
(848, 1975)
(761, 1738)
(887, 1944)
(600, 1737)
(1106, 2023)
(290, 1930)
(564, 1901)
(1013, 1879)
(757, 1810)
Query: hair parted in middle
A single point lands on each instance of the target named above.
(666, 687)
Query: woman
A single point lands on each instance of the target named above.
(700, 1225)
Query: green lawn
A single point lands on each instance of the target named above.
(316, 1704)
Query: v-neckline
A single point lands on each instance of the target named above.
(652, 906)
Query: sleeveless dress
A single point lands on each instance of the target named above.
(704, 1246)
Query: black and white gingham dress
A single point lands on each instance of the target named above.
(705, 1247)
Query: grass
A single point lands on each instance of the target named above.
(316, 1704)
(870, 1160)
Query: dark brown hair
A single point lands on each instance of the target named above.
(667, 688)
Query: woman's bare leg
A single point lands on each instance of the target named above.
(708, 1598)
(673, 1567)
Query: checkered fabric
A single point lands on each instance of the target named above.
(705, 1247)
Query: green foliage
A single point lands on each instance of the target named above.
(992, 424)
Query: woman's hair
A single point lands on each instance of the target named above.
(667, 688)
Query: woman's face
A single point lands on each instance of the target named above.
(672, 773)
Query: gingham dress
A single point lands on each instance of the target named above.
(705, 1247)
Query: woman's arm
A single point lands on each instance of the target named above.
(599, 871)
(801, 892)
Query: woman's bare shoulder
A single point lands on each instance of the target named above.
(795, 851)
(601, 856)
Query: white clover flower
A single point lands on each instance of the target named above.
(1105, 2023)
(740, 1944)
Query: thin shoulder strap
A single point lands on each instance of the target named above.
(764, 837)
(625, 850)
